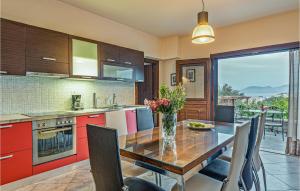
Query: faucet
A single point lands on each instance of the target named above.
(94, 101)
(114, 99)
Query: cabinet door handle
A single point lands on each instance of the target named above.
(5, 126)
(93, 116)
(3, 72)
(6, 157)
(120, 79)
(128, 63)
(49, 59)
(110, 60)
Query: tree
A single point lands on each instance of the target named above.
(227, 90)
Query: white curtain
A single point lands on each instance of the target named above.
(293, 141)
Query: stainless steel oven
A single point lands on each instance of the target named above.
(53, 139)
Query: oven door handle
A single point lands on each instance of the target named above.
(56, 130)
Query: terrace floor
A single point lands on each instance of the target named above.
(283, 174)
(273, 143)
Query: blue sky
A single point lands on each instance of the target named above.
(258, 70)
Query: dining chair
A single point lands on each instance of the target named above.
(275, 120)
(117, 120)
(224, 113)
(144, 119)
(219, 169)
(105, 163)
(201, 182)
(257, 162)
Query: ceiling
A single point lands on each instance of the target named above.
(177, 17)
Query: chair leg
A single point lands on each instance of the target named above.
(243, 184)
(264, 173)
(256, 179)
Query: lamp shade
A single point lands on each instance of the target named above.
(203, 34)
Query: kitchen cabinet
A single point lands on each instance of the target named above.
(15, 137)
(15, 166)
(118, 72)
(84, 62)
(109, 52)
(82, 142)
(53, 164)
(82, 149)
(15, 151)
(131, 121)
(119, 63)
(47, 51)
(97, 119)
(134, 58)
(13, 37)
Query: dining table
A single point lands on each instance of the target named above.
(182, 158)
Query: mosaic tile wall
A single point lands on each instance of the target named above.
(37, 94)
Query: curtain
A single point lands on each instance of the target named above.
(293, 141)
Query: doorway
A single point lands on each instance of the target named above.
(149, 88)
(249, 81)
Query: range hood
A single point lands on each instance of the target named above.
(43, 74)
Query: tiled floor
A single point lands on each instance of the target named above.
(273, 143)
(283, 173)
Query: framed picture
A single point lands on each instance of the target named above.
(173, 79)
(190, 74)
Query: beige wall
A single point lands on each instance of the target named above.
(276, 29)
(62, 17)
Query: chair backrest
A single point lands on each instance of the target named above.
(240, 146)
(105, 158)
(224, 114)
(260, 133)
(117, 120)
(247, 174)
(144, 119)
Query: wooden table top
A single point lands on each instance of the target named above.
(190, 149)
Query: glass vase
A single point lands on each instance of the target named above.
(169, 126)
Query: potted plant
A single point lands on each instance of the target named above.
(169, 103)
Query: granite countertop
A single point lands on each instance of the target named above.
(14, 118)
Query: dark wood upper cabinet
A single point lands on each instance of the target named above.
(124, 57)
(46, 51)
(13, 36)
(109, 52)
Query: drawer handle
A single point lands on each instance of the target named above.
(128, 63)
(93, 116)
(6, 157)
(110, 60)
(3, 72)
(49, 59)
(5, 126)
(120, 79)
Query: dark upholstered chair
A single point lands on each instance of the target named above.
(219, 169)
(224, 114)
(144, 119)
(105, 162)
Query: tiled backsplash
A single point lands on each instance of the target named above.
(37, 94)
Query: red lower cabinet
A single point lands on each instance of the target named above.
(82, 149)
(54, 164)
(15, 166)
(131, 121)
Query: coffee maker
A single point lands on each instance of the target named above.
(76, 102)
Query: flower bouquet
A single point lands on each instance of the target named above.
(169, 103)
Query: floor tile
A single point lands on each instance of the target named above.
(292, 180)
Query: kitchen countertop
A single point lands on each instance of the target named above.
(14, 118)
